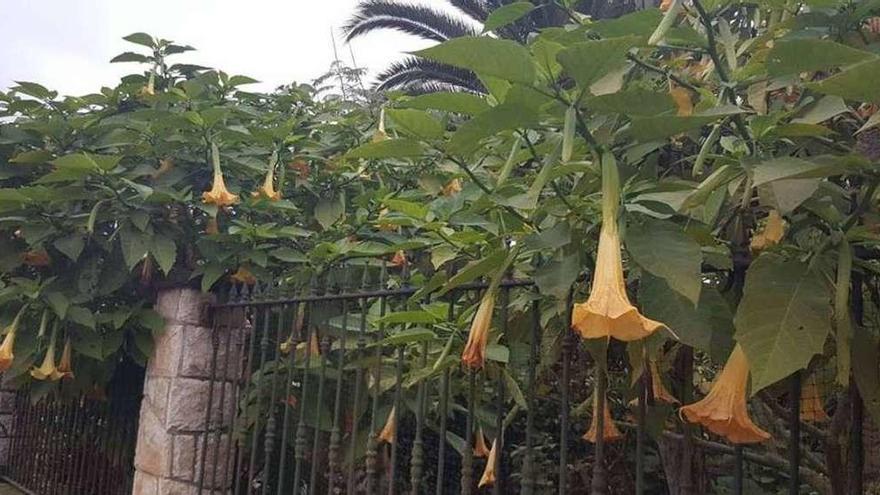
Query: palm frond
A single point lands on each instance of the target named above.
(417, 20)
(477, 10)
(414, 73)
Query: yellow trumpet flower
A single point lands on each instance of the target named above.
(608, 311)
(390, 428)
(480, 448)
(771, 234)
(380, 134)
(218, 195)
(65, 366)
(47, 370)
(474, 354)
(723, 411)
(6, 354)
(268, 190)
(488, 478)
(812, 408)
(452, 187)
(610, 433)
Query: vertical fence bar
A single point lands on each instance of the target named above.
(642, 414)
(335, 433)
(467, 458)
(687, 397)
(313, 476)
(372, 437)
(529, 472)
(255, 440)
(215, 346)
(359, 377)
(301, 441)
(444, 409)
(247, 359)
(292, 340)
(226, 323)
(271, 422)
(418, 460)
(794, 425)
(567, 347)
(856, 480)
(398, 404)
(498, 486)
(599, 483)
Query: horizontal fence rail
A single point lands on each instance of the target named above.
(346, 391)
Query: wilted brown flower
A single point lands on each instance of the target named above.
(36, 258)
(390, 428)
(812, 408)
(65, 366)
(243, 276)
(488, 478)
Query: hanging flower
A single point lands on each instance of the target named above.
(399, 259)
(474, 354)
(6, 355)
(608, 312)
(218, 195)
(771, 234)
(380, 134)
(65, 366)
(452, 187)
(660, 392)
(812, 408)
(390, 428)
(724, 411)
(480, 448)
(268, 189)
(243, 276)
(682, 98)
(47, 370)
(488, 478)
(149, 89)
(36, 258)
(610, 431)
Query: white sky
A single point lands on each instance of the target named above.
(66, 45)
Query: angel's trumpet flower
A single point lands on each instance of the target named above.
(218, 195)
(771, 234)
(243, 276)
(474, 354)
(65, 366)
(6, 355)
(268, 190)
(452, 187)
(610, 433)
(390, 428)
(608, 312)
(380, 134)
(488, 478)
(480, 448)
(723, 411)
(47, 370)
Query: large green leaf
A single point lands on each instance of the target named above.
(492, 57)
(507, 14)
(664, 250)
(134, 246)
(635, 101)
(503, 117)
(707, 327)
(329, 210)
(589, 61)
(856, 82)
(789, 167)
(415, 122)
(783, 319)
(806, 55)
(164, 250)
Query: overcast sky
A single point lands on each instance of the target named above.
(67, 44)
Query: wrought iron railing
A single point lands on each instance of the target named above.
(76, 446)
(317, 377)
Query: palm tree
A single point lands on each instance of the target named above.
(418, 75)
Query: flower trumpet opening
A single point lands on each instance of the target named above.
(65, 366)
(390, 428)
(607, 312)
(6, 354)
(610, 433)
(474, 354)
(47, 370)
(723, 411)
(480, 448)
(218, 195)
(488, 478)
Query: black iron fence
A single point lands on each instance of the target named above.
(76, 446)
(342, 390)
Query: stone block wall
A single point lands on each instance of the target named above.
(173, 428)
(7, 409)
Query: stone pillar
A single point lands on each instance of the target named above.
(7, 410)
(178, 383)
